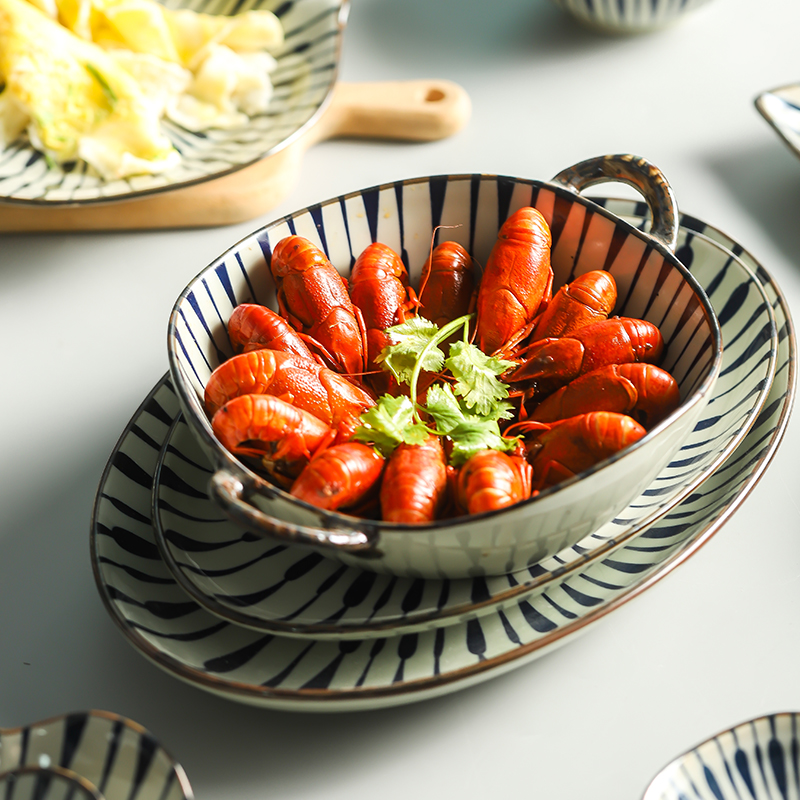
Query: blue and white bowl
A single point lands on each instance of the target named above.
(757, 759)
(780, 107)
(91, 755)
(652, 284)
(629, 16)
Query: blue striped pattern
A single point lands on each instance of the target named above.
(628, 16)
(758, 760)
(303, 80)
(166, 626)
(92, 754)
(255, 583)
(651, 285)
(37, 783)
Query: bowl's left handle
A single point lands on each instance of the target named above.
(230, 494)
(646, 178)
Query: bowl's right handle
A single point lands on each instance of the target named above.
(229, 493)
(646, 178)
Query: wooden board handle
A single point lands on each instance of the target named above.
(423, 110)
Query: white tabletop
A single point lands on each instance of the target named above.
(84, 320)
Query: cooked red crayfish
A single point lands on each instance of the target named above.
(301, 381)
(253, 326)
(340, 476)
(266, 427)
(447, 284)
(572, 445)
(379, 289)
(490, 480)
(414, 487)
(517, 280)
(313, 296)
(643, 391)
(589, 384)
(550, 363)
(589, 298)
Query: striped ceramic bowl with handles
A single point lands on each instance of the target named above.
(652, 284)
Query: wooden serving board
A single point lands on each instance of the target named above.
(423, 110)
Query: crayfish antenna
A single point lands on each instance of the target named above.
(410, 307)
(526, 426)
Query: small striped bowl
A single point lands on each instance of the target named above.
(758, 759)
(652, 284)
(629, 16)
(92, 755)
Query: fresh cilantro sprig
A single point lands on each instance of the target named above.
(468, 431)
(392, 421)
(476, 376)
(410, 340)
(468, 412)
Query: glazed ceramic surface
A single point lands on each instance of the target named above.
(758, 760)
(88, 754)
(652, 284)
(629, 16)
(781, 108)
(37, 783)
(303, 81)
(252, 582)
(167, 627)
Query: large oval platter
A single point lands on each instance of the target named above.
(267, 670)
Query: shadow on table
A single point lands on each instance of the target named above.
(765, 180)
(63, 653)
(468, 33)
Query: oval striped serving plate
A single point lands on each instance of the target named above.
(94, 753)
(268, 670)
(254, 582)
(302, 83)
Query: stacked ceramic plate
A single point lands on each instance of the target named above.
(281, 626)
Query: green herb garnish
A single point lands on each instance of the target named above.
(467, 412)
(390, 422)
(476, 376)
(409, 341)
(469, 432)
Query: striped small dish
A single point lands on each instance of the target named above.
(781, 109)
(758, 759)
(52, 783)
(303, 82)
(629, 16)
(267, 670)
(652, 284)
(250, 581)
(92, 754)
